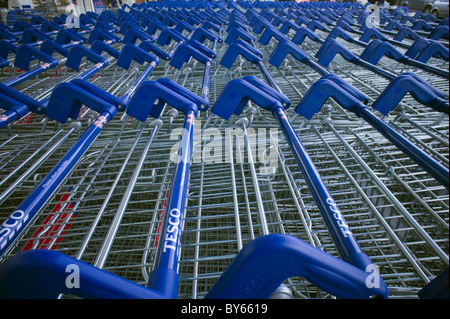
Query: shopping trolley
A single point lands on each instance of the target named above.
(248, 220)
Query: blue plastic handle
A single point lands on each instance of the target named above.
(439, 32)
(406, 32)
(433, 49)
(183, 54)
(270, 33)
(150, 47)
(99, 46)
(25, 53)
(417, 47)
(264, 263)
(164, 277)
(167, 35)
(6, 48)
(42, 274)
(302, 33)
(134, 34)
(323, 89)
(14, 110)
(320, 92)
(31, 103)
(143, 104)
(422, 91)
(67, 98)
(330, 49)
(34, 35)
(11, 228)
(236, 49)
(49, 47)
(283, 49)
(77, 53)
(102, 35)
(131, 52)
(236, 95)
(237, 33)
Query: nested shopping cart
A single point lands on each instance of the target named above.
(245, 187)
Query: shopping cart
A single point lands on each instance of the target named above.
(241, 212)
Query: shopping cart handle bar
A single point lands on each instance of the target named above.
(183, 25)
(3, 63)
(406, 83)
(302, 33)
(26, 53)
(34, 35)
(370, 33)
(77, 53)
(49, 47)
(64, 36)
(339, 32)
(6, 47)
(283, 49)
(167, 35)
(67, 98)
(31, 103)
(133, 34)
(320, 92)
(323, 89)
(45, 274)
(433, 49)
(183, 54)
(131, 52)
(150, 47)
(236, 95)
(99, 46)
(377, 49)
(201, 34)
(236, 33)
(171, 85)
(264, 263)
(13, 110)
(98, 34)
(233, 51)
(270, 33)
(439, 32)
(150, 98)
(417, 47)
(407, 32)
(313, 25)
(330, 49)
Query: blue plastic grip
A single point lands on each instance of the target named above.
(133, 34)
(283, 49)
(236, 49)
(184, 52)
(320, 92)
(25, 53)
(264, 263)
(143, 102)
(269, 33)
(150, 47)
(42, 274)
(167, 35)
(131, 52)
(236, 95)
(76, 54)
(330, 49)
(420, 90)
(236, 33)
(49, 47)
(67, 98)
